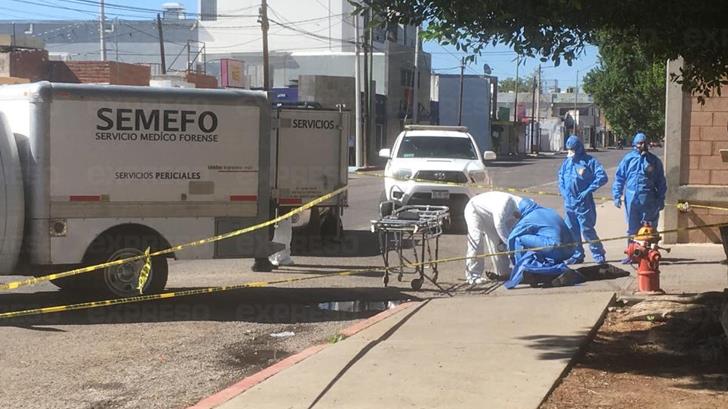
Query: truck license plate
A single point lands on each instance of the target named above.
(440, 194)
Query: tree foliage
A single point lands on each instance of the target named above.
(558, 30)
(628, 86)
(509, 84)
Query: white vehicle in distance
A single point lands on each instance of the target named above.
(441, 154)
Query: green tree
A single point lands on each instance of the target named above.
(628, 86)
(559, 30)
(509, 84)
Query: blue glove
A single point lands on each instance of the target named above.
(582, 197)
(618, 202)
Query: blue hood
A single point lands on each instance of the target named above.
(527, 206)
(575, 144)
(638, 137)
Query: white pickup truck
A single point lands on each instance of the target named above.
(430, 164)
(92, 173)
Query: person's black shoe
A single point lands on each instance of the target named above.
(495, 277)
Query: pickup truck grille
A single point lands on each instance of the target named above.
(450, 176)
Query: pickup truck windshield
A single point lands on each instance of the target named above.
(436, 147)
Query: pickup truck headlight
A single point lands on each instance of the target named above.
(477, 176)
(402, 173)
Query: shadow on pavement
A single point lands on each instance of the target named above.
(354, 243)
(260, 305)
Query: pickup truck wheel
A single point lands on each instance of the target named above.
(122, 280)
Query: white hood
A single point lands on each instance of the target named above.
(415, 164)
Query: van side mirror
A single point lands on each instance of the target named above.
(489, 155)
(385, 153)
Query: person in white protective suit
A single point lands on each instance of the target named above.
(283, 234)
(490, 218)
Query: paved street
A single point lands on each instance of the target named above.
(139, 351)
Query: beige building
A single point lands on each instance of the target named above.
(696, 162)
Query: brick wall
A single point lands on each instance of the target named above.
(201, 80)
(702, 165)
(58, 71)
(103, 72)
(28, 64)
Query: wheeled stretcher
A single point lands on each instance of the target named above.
(412, 233)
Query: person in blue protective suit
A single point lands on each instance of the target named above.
(541, 243)
(641, 178)
(579, 176)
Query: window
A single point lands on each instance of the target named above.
(208, 10)
(436, 147)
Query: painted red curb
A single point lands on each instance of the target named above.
(246, 383)
(362, 325)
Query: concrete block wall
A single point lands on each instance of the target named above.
(701, 163)
(701, 217)
(708, 135)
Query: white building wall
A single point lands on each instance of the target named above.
(312, 25)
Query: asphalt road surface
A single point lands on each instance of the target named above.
(171, 353)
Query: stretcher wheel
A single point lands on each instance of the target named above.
(434, 277)
(416, 283)
(385, 280)
(399, 277)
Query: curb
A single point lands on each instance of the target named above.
(581, 350)
(248, 382)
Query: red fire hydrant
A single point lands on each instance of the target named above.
(644, 251)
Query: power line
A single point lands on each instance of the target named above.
(310, 34)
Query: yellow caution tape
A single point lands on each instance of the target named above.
(144, 272)
(517, 190)
(259, 284)
(37, 280)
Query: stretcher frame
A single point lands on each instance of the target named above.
(405, 236)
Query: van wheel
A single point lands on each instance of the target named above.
(122, 280)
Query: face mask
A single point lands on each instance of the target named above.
(570, 153)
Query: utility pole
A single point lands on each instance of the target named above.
(161, 45)
(416, 78)
(371, 127)
(515, 99)
(365, 108)
(116, 39)
(460, 105)
(576, 100)
(533, 113)
(357, 98)
(102, 32)
(264, 27)
(538, 109)
(189, 57)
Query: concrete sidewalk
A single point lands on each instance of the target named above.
(463, 352)
(502, 350)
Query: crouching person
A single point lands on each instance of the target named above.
(541, 244)
(490, 218)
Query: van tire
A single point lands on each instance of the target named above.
(121, 281)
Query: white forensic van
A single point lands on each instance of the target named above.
(91, 173)
(312, 157)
